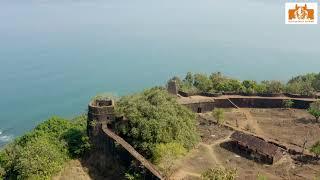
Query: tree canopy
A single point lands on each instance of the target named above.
(155, 117)
(314, 110)
(217, 82)
(42, 152)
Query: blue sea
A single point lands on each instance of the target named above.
(55, 55)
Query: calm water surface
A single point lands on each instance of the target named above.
(56, 55)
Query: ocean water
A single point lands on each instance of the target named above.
(56, 55)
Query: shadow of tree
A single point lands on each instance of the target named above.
(230, 146)
(305, 121)
(100, 166)
(307, 159)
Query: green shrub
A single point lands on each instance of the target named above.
(40, 158)
(302, 84)
(133, 176)
(229, 85)
(273, 86)
(217, 82)
(42, 152)
(314, 110)
(2, 172)
(288, 103)
(164, 155)
(155, 117)
(168, 151)
(316, 149)
(202, 82)
(261, 88)
(219, 174)
(218, 114)
(261, 177)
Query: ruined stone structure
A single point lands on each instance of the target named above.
(201, 103)
(100, 111)
(198, 104)
(256, 148)
(172, 87)
(101, 117)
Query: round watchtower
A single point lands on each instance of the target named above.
(100, 111)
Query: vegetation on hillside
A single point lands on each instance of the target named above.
(218, 114)
(155, 119)
(316, 149)
(219, 174)
(42, 152)
(216, 82)
(314, 110)
(165, 154)
(287, 103)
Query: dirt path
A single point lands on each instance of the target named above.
(181, 174)
(211, 155)
(252, 123)
(73, 171)
(211, 147)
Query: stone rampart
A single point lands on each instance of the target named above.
(101, 116)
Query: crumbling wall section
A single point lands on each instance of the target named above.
(201, 107)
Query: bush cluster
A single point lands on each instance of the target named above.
(42, 152)
(219, 174)
(216, 82)
(154, 119)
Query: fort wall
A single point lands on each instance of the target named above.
(100, 117)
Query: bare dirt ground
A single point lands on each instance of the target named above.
(291, 126)
(90, 168)
(73, 171)
(284, 125)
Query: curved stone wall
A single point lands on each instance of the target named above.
(101, 110)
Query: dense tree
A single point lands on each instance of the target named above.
(202, 82)
(314, 110)
(303, 78)
(249, 84)
(216, 82)
(261, 88)
(273, 86)
(42, 152)
(219, 174)
(40, 158)
(189, 79)
(301, 84)
(229, 85)
(316, 82)
(156, 117)
(216, 79)
(316, 149)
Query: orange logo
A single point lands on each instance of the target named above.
(301, 13)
